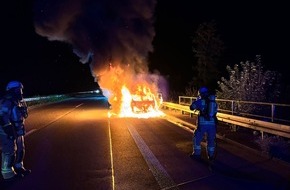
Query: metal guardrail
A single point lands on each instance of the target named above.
(274, 112)
(262, 126)
(41, 98)
(38, 100)
(35, 101)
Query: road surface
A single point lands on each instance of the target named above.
(74, 145)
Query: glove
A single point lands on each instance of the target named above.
(9, 130)
(24, 112)
(20, 132)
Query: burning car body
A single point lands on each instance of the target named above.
(143, 100)
(132, 95)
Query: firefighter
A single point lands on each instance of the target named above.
(13, 112)
(206, 123)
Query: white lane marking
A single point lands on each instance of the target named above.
(29, 132)
(111, 155)
(35, 130)
(160, 174)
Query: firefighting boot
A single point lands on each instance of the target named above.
(18, 166)
(22, 171)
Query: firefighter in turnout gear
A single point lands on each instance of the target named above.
(13, 112)
(206, 123)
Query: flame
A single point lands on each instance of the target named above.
(141, 104)
(131, 94)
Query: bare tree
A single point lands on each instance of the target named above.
(249, 82)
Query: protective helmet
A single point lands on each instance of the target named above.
(14, 84)
(202, 91)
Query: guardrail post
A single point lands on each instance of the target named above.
(272, 112)
(232, 107)
(191, 115)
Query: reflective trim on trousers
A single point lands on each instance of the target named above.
(196, 150)
(7, 169)
(210, 151)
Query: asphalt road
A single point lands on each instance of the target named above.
(74, 145)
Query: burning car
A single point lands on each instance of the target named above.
(142, 103)
(136, 102)
(143, 100)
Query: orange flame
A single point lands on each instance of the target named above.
(132, 95)
(142, 104)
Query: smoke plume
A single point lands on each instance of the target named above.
(105, 33)
(113, 36)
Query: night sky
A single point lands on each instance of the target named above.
(54, 67)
